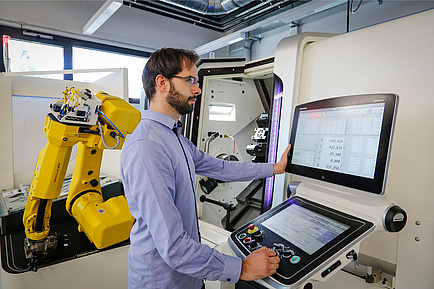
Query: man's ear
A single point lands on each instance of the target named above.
(162, 83)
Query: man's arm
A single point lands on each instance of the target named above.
(209, 166)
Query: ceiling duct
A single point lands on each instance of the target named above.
(210, 7)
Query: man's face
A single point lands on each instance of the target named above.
(182, 95)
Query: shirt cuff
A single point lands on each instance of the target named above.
(267, 170)
(270, 170)
(232, 270)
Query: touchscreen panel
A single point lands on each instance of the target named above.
(340, 139)
(304, 228)
(344, 140)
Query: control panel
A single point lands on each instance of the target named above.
(308, 238)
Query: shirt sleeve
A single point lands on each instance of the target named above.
(231, 171)
(150, 185)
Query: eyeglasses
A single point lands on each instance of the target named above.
(190, 79)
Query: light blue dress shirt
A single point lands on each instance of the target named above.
(165, 250)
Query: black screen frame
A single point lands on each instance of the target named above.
(375, 185)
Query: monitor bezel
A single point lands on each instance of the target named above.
(375, 185)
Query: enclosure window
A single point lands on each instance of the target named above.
(222, 111)
(84, 58)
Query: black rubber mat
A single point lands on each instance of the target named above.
(12, 236)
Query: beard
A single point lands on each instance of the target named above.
(179, 101)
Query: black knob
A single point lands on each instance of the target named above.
(253, 244)
(257, 234)
(395, 219)
(278, 247)
(287, 253)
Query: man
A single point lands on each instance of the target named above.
(158, 166)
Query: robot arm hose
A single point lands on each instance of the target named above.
(103, 140)
(40, 215)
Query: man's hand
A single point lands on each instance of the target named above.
(259, 264)
(280, 167)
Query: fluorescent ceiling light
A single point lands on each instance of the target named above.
(101, 16)
(221, 42)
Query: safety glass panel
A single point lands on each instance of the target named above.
(84, 58)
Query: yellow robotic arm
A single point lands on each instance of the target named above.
(94, 123)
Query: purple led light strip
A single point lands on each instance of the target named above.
(274, 133)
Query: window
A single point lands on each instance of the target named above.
(31, 56)
(84, 58)
(35, 51)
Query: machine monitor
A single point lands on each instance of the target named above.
(344, 140)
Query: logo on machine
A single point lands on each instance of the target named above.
(57, 172)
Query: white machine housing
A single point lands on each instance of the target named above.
(381, 58)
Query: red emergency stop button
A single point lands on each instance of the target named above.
(252, 229)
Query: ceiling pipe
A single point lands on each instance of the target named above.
(210, 7)
(295, 14)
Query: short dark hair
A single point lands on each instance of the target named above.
(167, 62)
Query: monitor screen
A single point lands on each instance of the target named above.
(304, 228)
(344, 140)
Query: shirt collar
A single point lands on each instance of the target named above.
(159, 117)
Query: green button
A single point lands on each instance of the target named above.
(295, 259)
(242, 236)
